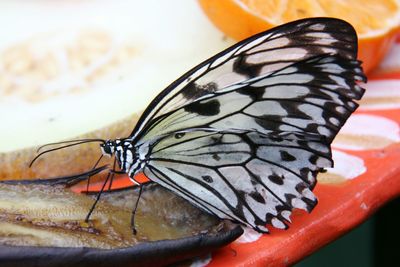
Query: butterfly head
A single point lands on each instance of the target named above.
(108, 147)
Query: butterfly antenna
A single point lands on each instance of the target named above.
(76, 142)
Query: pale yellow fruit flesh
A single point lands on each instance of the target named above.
(88, 69)
(48, 215)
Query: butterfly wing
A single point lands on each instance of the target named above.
(310, 96)
(246, 176)
(256, 56)
(243, 135)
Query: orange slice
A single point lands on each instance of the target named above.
(376, 21)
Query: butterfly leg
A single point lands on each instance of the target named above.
(136, 206)
(109, 175)
(113, 172)
(94, 167)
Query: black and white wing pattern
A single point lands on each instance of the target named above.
(244, 134)
(249, 177)
(310, 96)
(254, 57)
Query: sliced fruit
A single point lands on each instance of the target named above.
(376, 22)
(48, 215)
(91, 76)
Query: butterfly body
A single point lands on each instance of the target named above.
(244, 134)
(131, 159)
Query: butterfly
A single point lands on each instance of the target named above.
(244, 134)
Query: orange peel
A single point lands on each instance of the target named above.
(376, 22)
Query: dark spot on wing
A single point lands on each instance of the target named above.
(286, 156)
(267, 123)
(257, 197)
(276, 179)
(269, 217)
(277, 139)
(179, 135)
(216, 157)
(310, 203)
(204, 108)
(254, 182)
(249, 70)
(193, 91)
(207, 178)
(313, 159)
(304, 173)
(256, 93)
(280, 208)
(288, 199)
(216, 139)
(301, 186)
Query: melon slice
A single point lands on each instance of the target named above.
(88, 69)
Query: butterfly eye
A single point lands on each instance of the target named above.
(107, 148)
